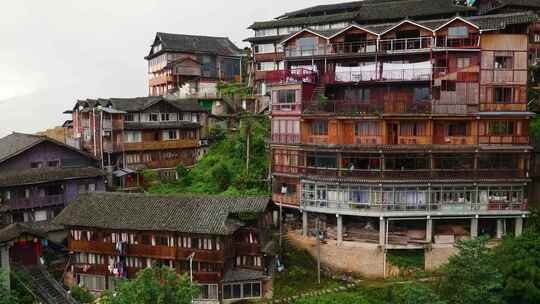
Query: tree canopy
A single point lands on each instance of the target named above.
(158, 285)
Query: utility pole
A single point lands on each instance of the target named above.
(318, 235)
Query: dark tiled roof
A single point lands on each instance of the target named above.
(161, 125)
(45, 175)
(17, 143)
(372, 11)
(318, 9)
(13, 231)
(137, 104)
(195, 44)
(531, 4)
(264, 39)
(190, 214)
(242, 275)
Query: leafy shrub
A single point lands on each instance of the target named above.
(82, 295)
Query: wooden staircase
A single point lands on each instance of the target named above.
(40, 282)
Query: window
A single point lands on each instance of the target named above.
(406, 162)
(498, 161)
(448, 85)
(322, 160)
(287, 96)
(463, 62)
(81, 188)
(307, 43)
(501, 128)
(357, 94)
(92, 282)
(165, 117)
(421, 94)
(266, 32)
(266, 66)
(265, 48)
(133, 158)
(40, 216)
(412, 129)
(319, 128)
(170, 135)
(536, 38)
(367, 128)
(153, 117)
(457, 129)
(242, 291)
(453, 161)
(503, 62)
(458, 31)
(146, 239)
(129, 117)
(36, 165)
(208, 292)
(503, 95)
(91, 187)
(132, 136)
(53, 163)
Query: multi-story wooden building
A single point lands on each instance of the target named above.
(415, 128)
(141, 133)
(115, 235)
(190, 66)
(39, 176)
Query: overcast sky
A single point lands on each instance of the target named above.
(54, 52)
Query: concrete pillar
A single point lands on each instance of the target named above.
(518, 227)
(382, 232)
(500, 231)
(4, 263)
(339, 229)
(429, 230)
(304, 223)
(474, 228)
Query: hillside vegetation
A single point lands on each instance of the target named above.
(225, 169)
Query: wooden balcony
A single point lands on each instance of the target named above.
(506, 107)
(414, 140)
(35, 202)
(318, 140)
(405, 45)
(247, 249)
(286, 199)
(454, 140)
(297, 75)
(503, 140)
(161, 252)
(286, 108)
(470, 42)
(358, 107)
(91, 246)
(286, 138)
(162, 80)
(214, 256)
(418, 74)
(170, 163)
(161, 145)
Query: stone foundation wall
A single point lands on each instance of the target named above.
(438, 255)
(365, 259)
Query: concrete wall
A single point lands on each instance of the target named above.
(365, 259)
(438, 255)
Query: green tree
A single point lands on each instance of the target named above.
(335, 298)
(471, 276)
(519, 261)
(222, 176)
(82, 295)
(10, 296)
(159, 285)
(415, 293)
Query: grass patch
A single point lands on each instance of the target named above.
(300, 275)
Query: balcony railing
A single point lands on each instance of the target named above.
(471, 41)
(503, 140)
(291, 75)
(399, 206)
(35, 202)
(286, 107)
(399, 45)
(286, 138)
(412, 74)
(404, 174)
(368, 107)
(406, 44)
